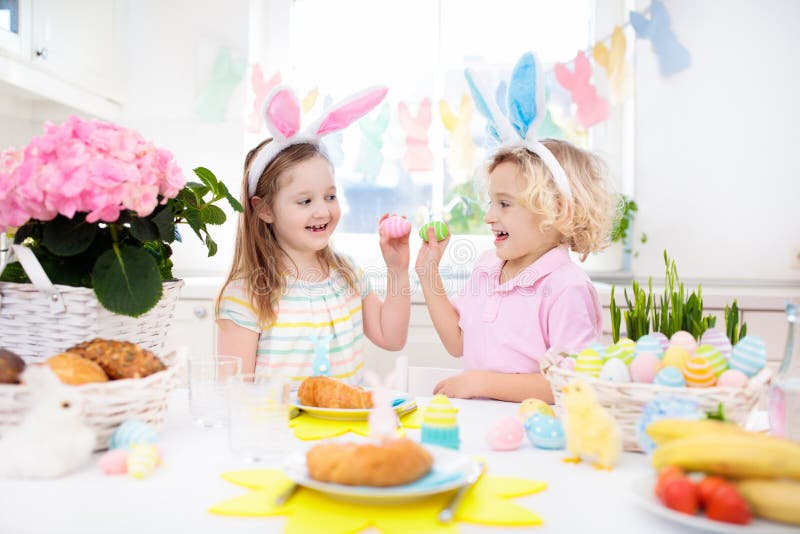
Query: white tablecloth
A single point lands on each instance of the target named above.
(177, 496)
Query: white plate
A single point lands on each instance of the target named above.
(404, 404)
(450, 470)
(643, 493)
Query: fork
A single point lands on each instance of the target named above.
(447, 513)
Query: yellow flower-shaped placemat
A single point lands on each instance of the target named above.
(486, 503)
(308, 427)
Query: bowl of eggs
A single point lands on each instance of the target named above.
(628, 374)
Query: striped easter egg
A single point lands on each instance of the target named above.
(622, 349)
(130, 432)
(439, 228)
(674, 357)
(648, 343)
(395, 226)
(718, 362)
(670, 377)
(662, 340)
(142, 459)
(644, 367)
(588, 362)
(599, 348)
(717, 338)
(749, 355)
(683, 339)
(698, 373)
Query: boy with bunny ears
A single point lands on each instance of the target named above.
(292, 306)
(526, 296)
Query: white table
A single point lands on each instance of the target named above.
(177, 496)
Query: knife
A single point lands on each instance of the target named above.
(448, 513)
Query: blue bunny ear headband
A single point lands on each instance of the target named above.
(526, 111)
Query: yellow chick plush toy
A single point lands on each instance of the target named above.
(592, 433)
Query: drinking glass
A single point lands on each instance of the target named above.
(259, 417)
(209, 377)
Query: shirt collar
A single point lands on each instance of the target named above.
(549, 262)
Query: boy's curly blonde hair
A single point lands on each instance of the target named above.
(585, 224)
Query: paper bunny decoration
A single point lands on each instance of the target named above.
(673, 57)
(261, 89)
(282, 117)
(211, 105)
(418, 156)
(592, 108)
(53, 439)
(462, 149)
(526, 112)
(321, 366)
(370, 158)
(613, 62)
(382, 418)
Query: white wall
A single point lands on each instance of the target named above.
(717, 176)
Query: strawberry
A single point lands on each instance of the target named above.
(668, 473)
(680, 495)
(707, 487)
(728, 505)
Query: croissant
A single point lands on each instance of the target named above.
(325, 392)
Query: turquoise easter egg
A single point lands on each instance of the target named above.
(718, 362)
(649, 343)
(545, 431)
(671, 377)
(130, 432)
(749, 355)
(439, 228)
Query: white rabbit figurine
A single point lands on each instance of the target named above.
(53, 439)
(382, 417)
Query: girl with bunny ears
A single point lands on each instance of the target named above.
(526, 296)
(288, 292)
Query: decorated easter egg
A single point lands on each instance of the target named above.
(505, 434)
(698, 373)
(395, 226)
(130, 432)
(645, 366)
(545, 432)
(714, 357)
(615, 370)
(439, 228)
(732, 378)
(588, 362)
(142, 459)
(114, 462)
(683, 339)
(529, 407)
(599, 348)
(622, 349)
(670, 377)
(662, 340)
(648, 343)
(717, 338)
(674, 357)
(749, 355)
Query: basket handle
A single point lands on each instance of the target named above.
(39, 279)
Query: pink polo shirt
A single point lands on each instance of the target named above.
(508, 327)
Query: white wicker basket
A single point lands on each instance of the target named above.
(625, 401)
(106, 405)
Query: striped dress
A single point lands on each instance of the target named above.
(308, 313)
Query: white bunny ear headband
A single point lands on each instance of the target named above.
(526, 111)
(282, 117)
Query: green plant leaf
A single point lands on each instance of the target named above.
(68, 237)
(212, 214)
(234, 203)
(195, 220)
(209, 179)
(199, 189)
(127, 281)
(143, 229)
(212, 246)
(165, 222)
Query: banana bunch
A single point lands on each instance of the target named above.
(757, 461)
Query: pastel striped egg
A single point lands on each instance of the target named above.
(749, 355)
(130, 432)
(645, 366)
(615, 370)
(622, 349)
(588, 362)
(732, 378)
(439, 228)
(717, 338)
(718, 362)
(648, 343)
(599, 348)
(683, 339)
(698, 373)
(142, 460)
(395, 226)
(670, 377)
(662, 340)
(674, 357)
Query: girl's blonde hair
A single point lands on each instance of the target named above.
(585, 223)
(259, 262)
